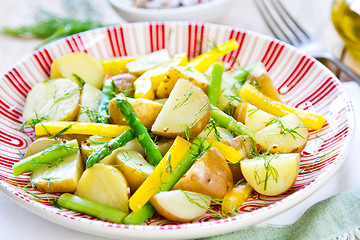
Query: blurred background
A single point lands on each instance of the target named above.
(314, 16)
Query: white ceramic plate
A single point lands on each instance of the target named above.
(204, 12)
(303, 81)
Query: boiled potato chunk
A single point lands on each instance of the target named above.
(263, 78)
(180, 206)
(177, 72)
(148, 61)
(214, 131)
(57, 99)
(81, 64)
(285, 135)
(246, 146)
(89, 101)
(210, 175)
(134, 168)
(104, 184)
(39, 145)
(146, 111)
(62, 176)
(186, 110)
(256, 119)
(271, 175)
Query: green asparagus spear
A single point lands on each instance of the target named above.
(91, 208)
(109, 147)
(230, 123)
(215, 84)
(140, 131)
(197, 148)
(46, 156)
(108, 93)
(137, 218)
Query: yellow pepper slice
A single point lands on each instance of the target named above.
(160, 173)
(229, 153)
(148, 82)
(205, 60)
(235, 197)
(250, 94)
(108, 130)
(116, 65)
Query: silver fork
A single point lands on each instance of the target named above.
(285, 28)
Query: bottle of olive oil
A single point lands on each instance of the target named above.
(346, 19)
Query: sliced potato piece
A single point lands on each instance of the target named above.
(146, 111)
(214, 131)
(125, 83)
(83, 65)
(89, 101)
(62, 176)
(177, 72)
(263, 78)
(210, 175)
(57, 99)
(148, 61)
(104, 184)
(285, 134)
(39, 145)
(181, 206)
(244, 144)
(257, 119)
(134, 168)
(186, 110)
(271, 175)
(240, 112)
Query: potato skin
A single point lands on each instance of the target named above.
(210, 175)
(146, 110)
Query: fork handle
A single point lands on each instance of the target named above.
(343, 68)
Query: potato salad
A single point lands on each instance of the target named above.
(120, 139)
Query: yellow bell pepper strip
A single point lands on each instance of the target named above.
(229, 153)
(235, 197)
(205, 60)
(116, 65)
(143, 87)
(250, 94)
(57, 128)
(148, 82)
(161, 172)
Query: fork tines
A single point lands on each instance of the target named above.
(280, 22)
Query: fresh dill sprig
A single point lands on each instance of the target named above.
(33, 121)
(186, 100)
(81, 81)
(50, 26)
(270, 171)
(284, 130)
(62, 131)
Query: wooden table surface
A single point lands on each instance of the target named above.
(314, 16)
